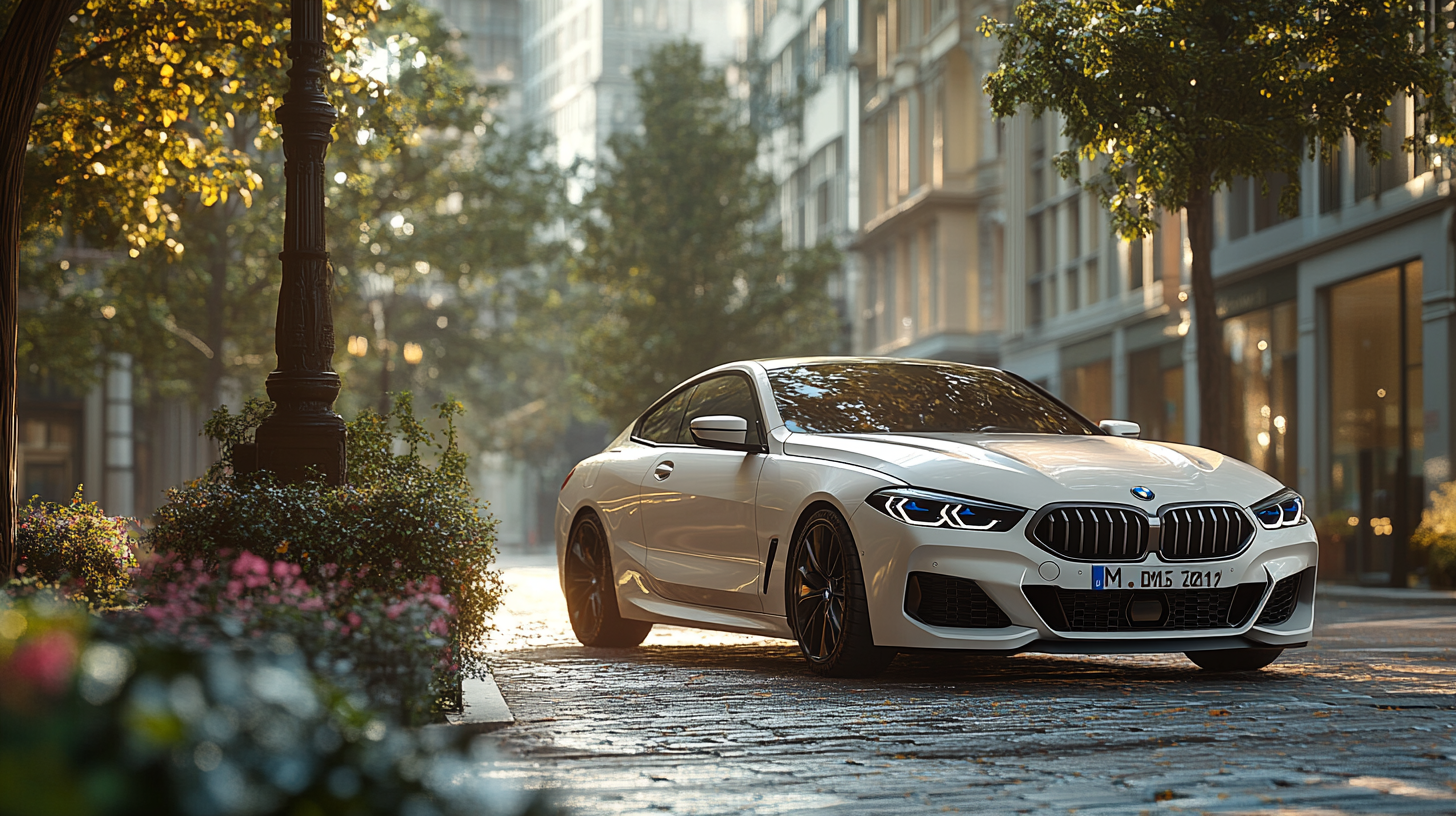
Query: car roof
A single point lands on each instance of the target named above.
(775, 363)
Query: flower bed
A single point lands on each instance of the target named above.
(230, 721)
(393, 646)
(402, 527)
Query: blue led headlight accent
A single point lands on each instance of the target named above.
(923, 508)
(1283, 509)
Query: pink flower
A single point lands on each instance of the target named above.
(354, 619)
(46, 661)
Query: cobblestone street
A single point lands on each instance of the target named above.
(1363, 721)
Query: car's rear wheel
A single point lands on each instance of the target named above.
(1234, 660)
(591, 599)
(828, 609)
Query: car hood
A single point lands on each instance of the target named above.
(1036, 469)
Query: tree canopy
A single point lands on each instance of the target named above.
(682, 269)
(1167, 101)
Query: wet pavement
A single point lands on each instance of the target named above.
(1363, 721)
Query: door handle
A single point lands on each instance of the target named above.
(662, 471)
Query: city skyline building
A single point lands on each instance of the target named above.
(578, 57)
(804, 98)
(490, 37)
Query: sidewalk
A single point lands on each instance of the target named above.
(1421, 597)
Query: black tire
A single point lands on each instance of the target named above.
(1234, 660)
(826, 601)
(591, 598)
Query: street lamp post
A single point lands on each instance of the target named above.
(304, 434)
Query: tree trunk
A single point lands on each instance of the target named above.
(25, 60)
(1208, 328)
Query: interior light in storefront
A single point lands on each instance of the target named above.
(1380, 392)
(1263, 439)
(1279, 423)
(358, 346)
(1263, 345)
(413, 353)
(1354, 521)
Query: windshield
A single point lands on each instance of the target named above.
(914, 397)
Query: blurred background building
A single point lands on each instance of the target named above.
(577, 60)
(804, 99)
(964, 244)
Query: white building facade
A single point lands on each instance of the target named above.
(1337, 321)
(805, 101)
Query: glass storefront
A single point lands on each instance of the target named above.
(1375, 434)
(1155, 391)
(1261, 347)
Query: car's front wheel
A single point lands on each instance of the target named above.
(1234, 660)
(827, 605)
(591, 598)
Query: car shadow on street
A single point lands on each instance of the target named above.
(775, 663)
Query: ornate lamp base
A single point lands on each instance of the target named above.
(303, 438)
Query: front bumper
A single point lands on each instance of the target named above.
(1024, 580)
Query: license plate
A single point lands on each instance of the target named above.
(1131, 577)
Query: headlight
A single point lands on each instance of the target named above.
(1283, 509)
(925, 509)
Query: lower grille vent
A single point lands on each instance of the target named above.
(944, 600)
(1281, 601)
(1122, 610)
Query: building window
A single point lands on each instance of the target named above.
(1135, 265)
(49, 420)
(1329, 182)
(1088, 388)
(1155, 392)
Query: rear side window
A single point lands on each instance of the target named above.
(729, 395)
(663, 424)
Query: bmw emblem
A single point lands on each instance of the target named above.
(1142, 493)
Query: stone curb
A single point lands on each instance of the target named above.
(1415, 597)
(485, 708)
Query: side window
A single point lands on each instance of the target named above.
(662, 425)
(723, 396)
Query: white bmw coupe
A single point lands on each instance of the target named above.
(865, 507)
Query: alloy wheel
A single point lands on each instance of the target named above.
(584, 578)
(820, 579)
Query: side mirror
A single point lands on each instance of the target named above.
(725, 432)
(1120, 427)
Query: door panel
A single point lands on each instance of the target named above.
(699, 523)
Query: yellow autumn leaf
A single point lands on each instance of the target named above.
(209, 199)
(166, 70)
(119, 85)
(168, 117)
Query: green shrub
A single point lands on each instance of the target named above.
(401, 518)
(1437, 535)
(76, 544)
